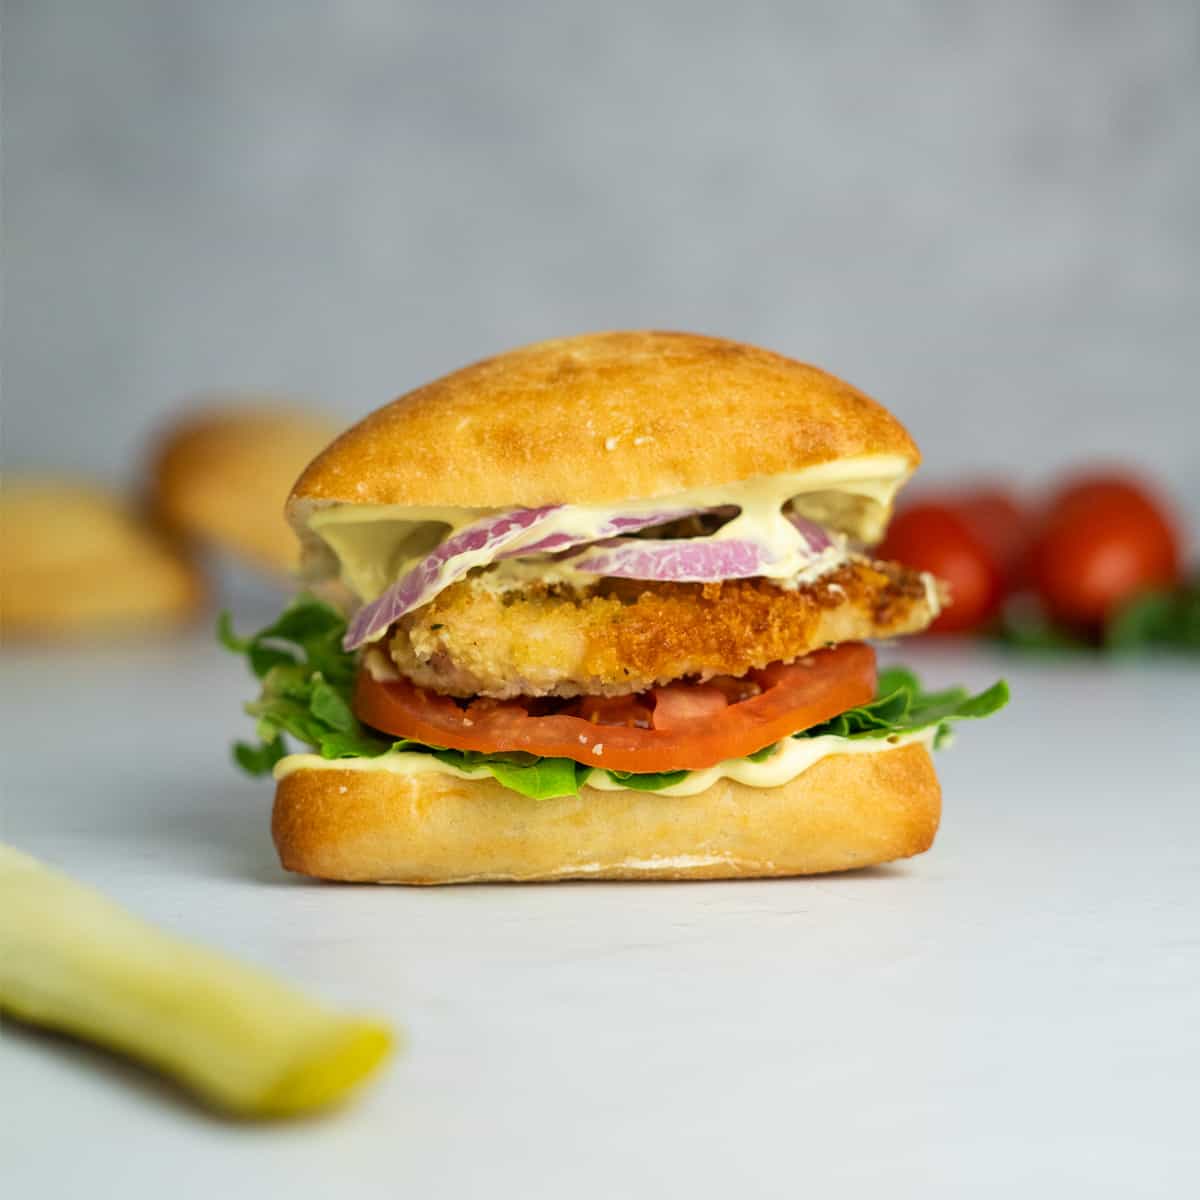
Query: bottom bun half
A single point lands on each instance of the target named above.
(846, 811)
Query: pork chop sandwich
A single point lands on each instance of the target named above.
(601, 608)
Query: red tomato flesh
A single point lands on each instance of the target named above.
(681, 706)
(636, 712)
(698, 726)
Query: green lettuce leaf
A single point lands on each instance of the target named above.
(902, 706)
(543, 779)
(307, 681)
(648, 782)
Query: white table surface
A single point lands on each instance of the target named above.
(1015, 1013)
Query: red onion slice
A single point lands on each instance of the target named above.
(703, 560)
(818, 539)
(682, 560)
(459, 553)
(679, 561)
(612, 527)
(449, 562)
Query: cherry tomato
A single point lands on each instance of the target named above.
(935, 536)
(1003, 525)
(1104, 538)
(695, 732)
(1112, 490)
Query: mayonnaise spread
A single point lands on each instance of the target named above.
(373, 545)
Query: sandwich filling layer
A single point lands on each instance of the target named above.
(789, 761)
(661, 645)
(308, 686)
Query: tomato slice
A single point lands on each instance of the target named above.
(635, 711)
(698, 734)
(681, 706)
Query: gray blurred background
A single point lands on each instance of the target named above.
(988, 215)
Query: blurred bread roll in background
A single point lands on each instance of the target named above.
(221, 475)
(76, 561)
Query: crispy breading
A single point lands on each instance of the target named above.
(620, 636)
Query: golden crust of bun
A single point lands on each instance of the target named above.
(598, 418)
(76, 562)
(846, 811)
(222, 475)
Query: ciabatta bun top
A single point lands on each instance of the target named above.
(596, 419)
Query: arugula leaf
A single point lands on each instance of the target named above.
(227, 637)
(307, 681)
(649, 782)
(258, 760)
(351, 745)
(765, 753)
(901, 706)
(543, 779)
(327, 705)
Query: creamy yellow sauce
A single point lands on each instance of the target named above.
(792, 759)
(374, 544)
